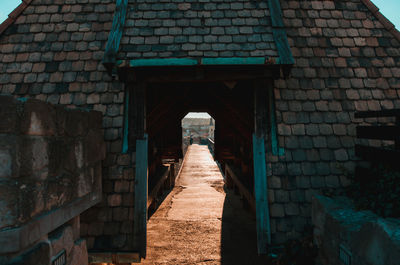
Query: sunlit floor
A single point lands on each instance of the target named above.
(199, 222)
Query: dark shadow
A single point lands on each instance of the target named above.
(238, 234)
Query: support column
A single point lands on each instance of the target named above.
(138, 141)
(260, 170)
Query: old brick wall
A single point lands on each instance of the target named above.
(50, 171)
(53, 52)
(346, 61)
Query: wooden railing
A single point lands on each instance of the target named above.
(165, 182)
(232, 180)
(382, 132)
(211, 146)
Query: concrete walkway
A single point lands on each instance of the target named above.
(199, 222)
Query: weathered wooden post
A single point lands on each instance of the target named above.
(140, 139)
(260, 170)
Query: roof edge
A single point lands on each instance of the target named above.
(381, 18)
(12, 17)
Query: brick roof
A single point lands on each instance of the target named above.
(210, 28)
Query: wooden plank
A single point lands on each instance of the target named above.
(137, 113)
(125, 138)
(378, 132)
(261, 195)
(376, 154)
(163, 62)
(276, 150)
(279, 33)
(140, 212)
(276, 13)
(261, 108)
(190, 74)
(234, 61)
(377, 114)
(242, 189)
(115, 35)
(153, 194)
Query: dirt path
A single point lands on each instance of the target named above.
(199, 222)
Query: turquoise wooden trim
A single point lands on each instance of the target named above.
(140, 209)
(261, 195)
(276, 150)
(233, 61)
(125, 144)
(163, 62)
(115, 35)
(191, 62)
(279, 33)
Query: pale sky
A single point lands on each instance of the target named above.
(390, 8)
(197, 115)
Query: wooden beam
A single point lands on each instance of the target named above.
(376, 154)
(210, 73)
(153, 194)
(137, 113)
(114, 38)
(377, 114)
(378, 132)
(140, 211)
(125, 136)
(279, 33)
(261, 108)
(261, 195)
(242, 189)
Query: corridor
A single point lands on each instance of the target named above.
(200, 222)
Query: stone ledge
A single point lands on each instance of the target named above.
(367, 237)
(17, 239)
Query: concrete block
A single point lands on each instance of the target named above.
(8, 204)
(9, 163)
(9, 119)
(79, 253)
(34, 158)
(38, 118)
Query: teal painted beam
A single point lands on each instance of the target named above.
(163, 62)
(276, 150)
(261, 195)
(114, 38)
(125, 144)
(203, 61)
(234, 61)
(279, 33)
(140, 210)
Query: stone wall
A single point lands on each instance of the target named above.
(50, 172)
(340, 230)
(53, 52)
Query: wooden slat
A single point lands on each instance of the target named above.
(140, 212)
(242, 189)
(376, 154)
(378, 132)
(261, 195)
(115, 35)
(377, 114)
(125, 139)
(153, 194)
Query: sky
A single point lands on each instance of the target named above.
(389, 8)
